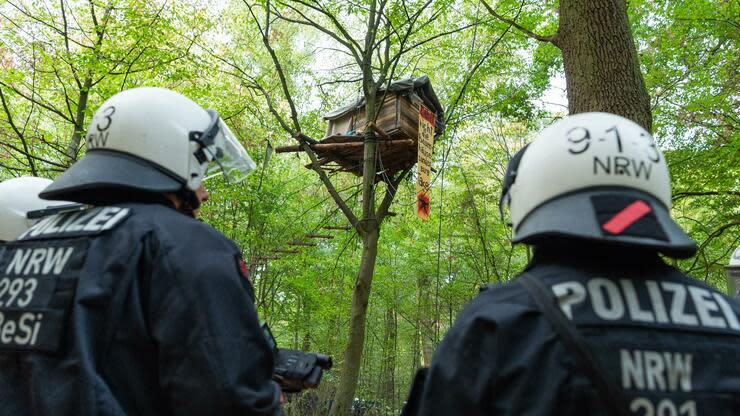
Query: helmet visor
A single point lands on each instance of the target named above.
(733, 281)
(230, 159)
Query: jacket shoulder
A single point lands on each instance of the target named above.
(177, 230)
(499, 304)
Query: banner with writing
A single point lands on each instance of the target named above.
(424, 161)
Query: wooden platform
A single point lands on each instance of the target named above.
(341, 150)
(396, 127)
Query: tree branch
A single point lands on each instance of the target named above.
(39, 103)
(335, 22)
(550, 39)
(29, 155)
(329, 186)
(296, 131)
(478, 64)
(680, 195)
(714, 234)
(351, 45)
(278, 67)
(390, 193)
(18, 133)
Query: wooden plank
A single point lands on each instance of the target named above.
(355, 145)
(337, 227)
(340, 138)
(285, 251)
(302, 244)
(324, 236)
(398, 112)
(288, 149)
(380, 131)
(410, 128)
(387, 117)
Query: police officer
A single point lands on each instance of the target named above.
(132, 306)
(732, 271)
(18, 198)
(597, 323)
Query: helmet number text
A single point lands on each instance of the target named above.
(616, 135)
(580, 137)
(579, 141)
(99, 138)
(652, 154)
(107, 113)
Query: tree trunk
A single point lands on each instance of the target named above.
(353, 353)
(369, 229)
(426, 320)
(386, 385)
(415, 345)
(602, 70)
(74, 144)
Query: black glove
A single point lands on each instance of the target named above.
(298, 370)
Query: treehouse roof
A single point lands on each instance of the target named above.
(419, 87)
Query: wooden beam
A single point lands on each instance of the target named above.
(343, 136)
(326, 236)
(323, 161)
(337, 227)
(285, 251)
(328, 147)
(302, 244)
(288, 149)
(381, 132)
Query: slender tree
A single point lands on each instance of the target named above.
(389, 34)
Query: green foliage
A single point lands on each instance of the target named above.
(426, 271)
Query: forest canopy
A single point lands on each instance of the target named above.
(273, 69)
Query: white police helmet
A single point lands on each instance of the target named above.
(733, 274)
(151, 140)
(18, 198)
(595, 176)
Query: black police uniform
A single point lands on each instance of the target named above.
(132, 309)
(669, 341)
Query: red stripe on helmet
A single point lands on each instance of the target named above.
(626, 217)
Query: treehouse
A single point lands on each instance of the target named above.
(396, 126)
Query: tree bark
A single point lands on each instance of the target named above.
(415, 344)
(602, 70)
(387, 385)
(427, 322)
(353, 353)
(79, 127)
(369, 229)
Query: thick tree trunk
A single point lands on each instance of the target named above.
(356, 339)
(602, 70)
